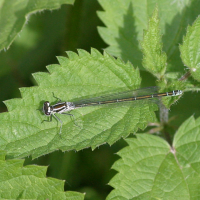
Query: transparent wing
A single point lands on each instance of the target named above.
(120, 95)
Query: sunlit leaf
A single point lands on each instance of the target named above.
(151, 169)
(77, 77)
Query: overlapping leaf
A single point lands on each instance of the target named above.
(78, 77)
(30, 182)
(126, 20)
(15, 13)
(150, 169)
(190, 49)
(154, 60)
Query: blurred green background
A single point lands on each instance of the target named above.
(49, 34)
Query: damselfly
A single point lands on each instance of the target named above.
(131, 95)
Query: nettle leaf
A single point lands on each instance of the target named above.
(150, 169)
(79, 77)
(154, 60)
(30, 182)
(15, 13)
(125, 21)
(190, 49)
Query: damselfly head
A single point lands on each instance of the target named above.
(46, 108)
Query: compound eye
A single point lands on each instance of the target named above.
(46, 108)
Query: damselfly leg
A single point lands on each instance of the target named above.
(60, 108)
(59, 100)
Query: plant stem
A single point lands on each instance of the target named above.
(164, 117)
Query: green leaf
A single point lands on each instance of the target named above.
(154, 60)
(30, 182)
(190, 49)
(187, 147)
(150, 169)
(15, 13)
(81, 76)
(125, 21)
